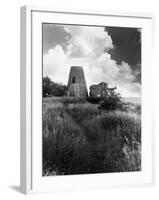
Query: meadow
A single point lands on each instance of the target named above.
(79, 138)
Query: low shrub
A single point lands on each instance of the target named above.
(113, 103)
(95, 100)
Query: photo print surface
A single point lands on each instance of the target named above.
(91, 107)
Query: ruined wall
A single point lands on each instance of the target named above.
(76, 83)
(100, 90)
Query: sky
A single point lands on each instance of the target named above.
(107, 54)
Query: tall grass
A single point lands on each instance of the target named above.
(79, 139)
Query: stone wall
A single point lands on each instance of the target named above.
(100, 90)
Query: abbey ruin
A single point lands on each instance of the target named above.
(77, 85)
(100, 90)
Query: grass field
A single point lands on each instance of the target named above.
(78, 138)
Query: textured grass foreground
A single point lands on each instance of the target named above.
(80, 139)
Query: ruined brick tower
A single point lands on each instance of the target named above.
(76, 83)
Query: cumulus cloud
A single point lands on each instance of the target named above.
(88, 41)
(54, 64)
(86, 48)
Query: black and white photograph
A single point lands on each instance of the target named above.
(91, 105)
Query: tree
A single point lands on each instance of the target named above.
(58, 89)
(112, 102)
(47, 86)
(51, 88)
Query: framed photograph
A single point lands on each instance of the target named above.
(86, 100)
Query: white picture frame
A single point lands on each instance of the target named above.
(31, 58)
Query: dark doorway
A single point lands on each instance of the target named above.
(73, 79)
